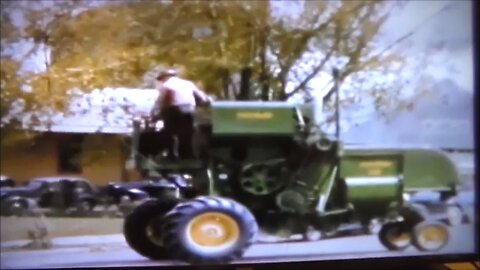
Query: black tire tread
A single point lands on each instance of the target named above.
(135, 225)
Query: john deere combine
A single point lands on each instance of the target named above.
(267, 166)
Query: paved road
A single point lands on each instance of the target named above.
(113, 251)
(120, 255)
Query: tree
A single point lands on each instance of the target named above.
(212, 42)
(36, 90)
(33, 96)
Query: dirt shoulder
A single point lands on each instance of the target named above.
(18, 228)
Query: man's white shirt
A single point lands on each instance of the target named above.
(183, 91)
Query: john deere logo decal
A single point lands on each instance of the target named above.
(381, 164)
(375, 168)
(254, 115)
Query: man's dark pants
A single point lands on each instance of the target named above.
(178, 122)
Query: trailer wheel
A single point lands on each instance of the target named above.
(142, 229)
(209, 230)
(430, 236)
(395, 236)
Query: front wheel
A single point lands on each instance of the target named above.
(142, 229)
(395, 236)
(209, 230)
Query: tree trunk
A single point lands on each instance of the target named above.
(226, 84)
(245, 77)
(265, 87)
(283, 87)
(264, 82)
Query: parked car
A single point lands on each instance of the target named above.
(56, 193)
(116, 193)
(6, 181)
(122, 192)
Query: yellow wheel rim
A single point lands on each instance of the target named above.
(213, 229)
(432, 237)
(433, 234)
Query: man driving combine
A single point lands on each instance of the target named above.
(175, 106)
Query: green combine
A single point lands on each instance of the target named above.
(266, 166)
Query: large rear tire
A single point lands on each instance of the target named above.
(209, 230)
(142, 229)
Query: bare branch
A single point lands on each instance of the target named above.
(352, 66)
(312, 74)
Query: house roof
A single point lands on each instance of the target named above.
(101, 111)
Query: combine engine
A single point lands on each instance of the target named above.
(266, 166)
(257, 150)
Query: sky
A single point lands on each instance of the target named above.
(434, 23)
(442, 36)
(444, 120)
(438, 48)
(447, 22)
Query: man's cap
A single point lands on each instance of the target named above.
(166, 73)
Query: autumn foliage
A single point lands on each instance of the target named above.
(120, 43)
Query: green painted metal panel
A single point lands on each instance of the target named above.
(425, 169)
(371, 166)
(421, 168)
(373, 189)
(247, 118)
